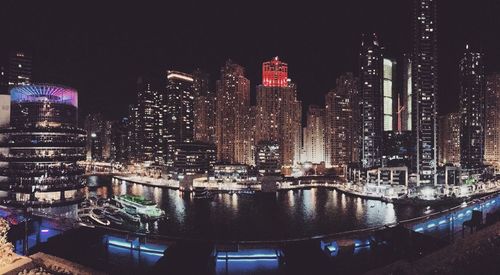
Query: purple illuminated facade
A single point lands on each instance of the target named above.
(44, 93)
(39, 151)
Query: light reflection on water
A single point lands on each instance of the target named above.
(287, 214)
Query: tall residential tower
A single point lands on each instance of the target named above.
(233, 138)
(370, 77)
(492, 130)
(424, 74)
(279, 113)
(472, 111)
(342, 122)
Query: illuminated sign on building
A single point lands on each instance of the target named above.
(275, 73)
(44, 93)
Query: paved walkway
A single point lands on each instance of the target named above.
(163, 183)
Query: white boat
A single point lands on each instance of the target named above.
(202, 193)
(147, 209)
(98, 216)
(92, 215)
(129, 217)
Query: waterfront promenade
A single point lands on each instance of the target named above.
(289, 185)
(155, 182)
(217, 186)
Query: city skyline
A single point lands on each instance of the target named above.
(237, 138)
(318, 47)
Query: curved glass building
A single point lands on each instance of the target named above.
(39, 151)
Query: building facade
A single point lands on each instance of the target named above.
(492, 118)
(132, 133)
(343, 122)
(389, 94)
(4, 111)
(314, 135)
(94, 126)
(4, 81)
(398, 149)
(267, 158)
(449, 139)
(146, 123)
(19, 68)
(178, 105)
(278, 111)
(191, 158)
(204, 108)
(178, 113)
(120, 141)
(40, 149)
(405, 105)
(233, 139)
(472, 110)
(370, 77)
(425, 87)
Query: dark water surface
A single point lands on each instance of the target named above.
(262, 216)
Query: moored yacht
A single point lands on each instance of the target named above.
(148, 210)
(92, 215)
(201, 193)
(98, 216)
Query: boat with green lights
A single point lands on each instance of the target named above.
(137, 205)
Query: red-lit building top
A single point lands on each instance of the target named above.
(275, 73)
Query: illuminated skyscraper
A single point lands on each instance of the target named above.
(275, 73)
(148, 122)
(107, 143)
(314, 136)
(94, 126)
(390, 97)
(424, 74)
(189, 158)
(204, 108)
(233, 139)
(492, 134)
(178, 112)
(279, 113)
(40, 150)
(267, 158)
(405, 105)
(449, 139)
(120, 140)
(4, 111)
(132, 133)
(98, 137)
(179, 107)
(19, 68)
(472, 110)
(4, 81)
(343, 122)
(370, 77)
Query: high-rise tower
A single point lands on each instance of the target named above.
(233, 139)
(472, 110)
(279, 113)
(371, 67)
(314, 134)
(19, 68)
(492, 129)
(424, 74)
(204, 108)
(342, 122)
(149, 122)
(178, 107)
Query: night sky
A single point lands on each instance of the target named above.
(100, 49)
